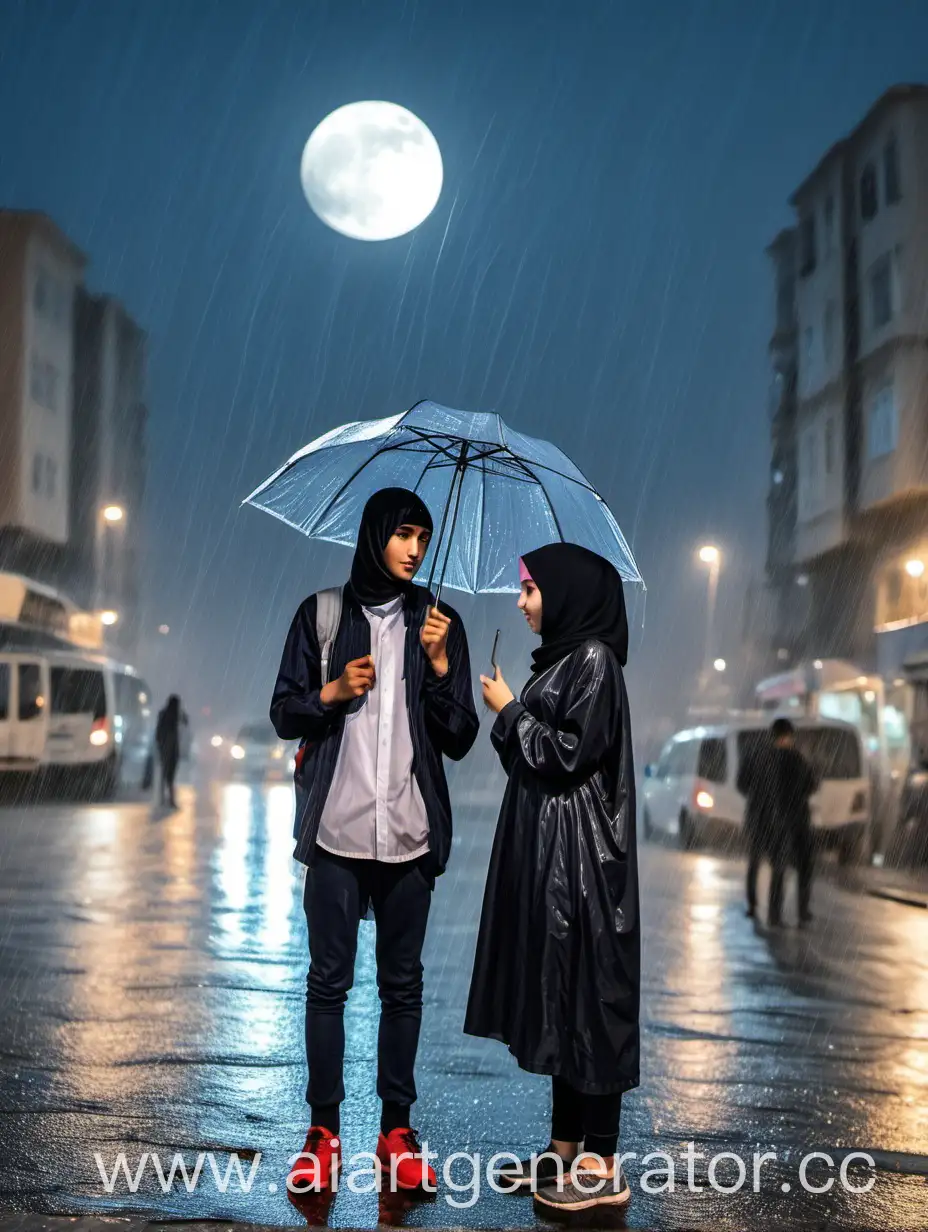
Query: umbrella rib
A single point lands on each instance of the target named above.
(557, 522)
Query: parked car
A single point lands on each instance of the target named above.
(908, 845)
(690, 793)
(75, 719)
(258, 754)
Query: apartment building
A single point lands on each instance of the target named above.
(40, 270)
(848, 498)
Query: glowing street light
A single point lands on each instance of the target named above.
(109, 617)
(915, 568)
(108, 517)
(164, 630)
(710, 555)
(216, 742)
(720, 665)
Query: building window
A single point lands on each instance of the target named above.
(829, 445)
(43, 383)
(41, 291)
(829, 224)
(38, 470)
(882, 426)
(881, 292)
(51, 477)
(891, 186)
(868, 193)
(810, 482)
(830, 330)
(807, 245)
(808, 347)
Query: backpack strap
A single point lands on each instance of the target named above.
(328, 618)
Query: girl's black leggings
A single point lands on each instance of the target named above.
(592, 1119)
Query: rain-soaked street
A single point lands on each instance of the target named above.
(152, 968)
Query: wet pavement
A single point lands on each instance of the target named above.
(152, 971)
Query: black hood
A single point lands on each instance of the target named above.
(581, 599)
(371, 580)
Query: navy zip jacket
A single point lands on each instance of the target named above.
(442, 716)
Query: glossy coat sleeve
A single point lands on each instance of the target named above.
(297, 711)
(586, 728)
(450, 713)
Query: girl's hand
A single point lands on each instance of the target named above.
(496, 692)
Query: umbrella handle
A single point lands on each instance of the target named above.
(457, 479)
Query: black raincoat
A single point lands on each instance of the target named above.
(557, 969)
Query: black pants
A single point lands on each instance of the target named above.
(590, 1119)
(169, 762)
(801, 854)
(335, 895)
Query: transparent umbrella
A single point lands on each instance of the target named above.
(495, 493)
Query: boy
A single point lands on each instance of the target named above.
(375, 828)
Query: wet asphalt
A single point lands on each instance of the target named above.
(152, 977)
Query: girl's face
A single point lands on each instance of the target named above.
(530, 605)
(405, 551)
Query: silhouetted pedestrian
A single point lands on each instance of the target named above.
(777, 782)
(168, 740)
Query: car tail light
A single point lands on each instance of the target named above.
(100, 733)
(704, 800)
(859, 803)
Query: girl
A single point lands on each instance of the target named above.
(556, 974)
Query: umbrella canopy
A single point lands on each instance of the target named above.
(494, 492)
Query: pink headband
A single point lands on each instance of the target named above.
(524, 575)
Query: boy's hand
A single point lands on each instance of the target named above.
(357, 679)
(434, 638)
(496, 692)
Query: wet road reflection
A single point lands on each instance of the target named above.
(152, 969)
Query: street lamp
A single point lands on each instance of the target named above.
(915, 568)
(109, 617)
(107, 516)
(710, 555)
(720, 665)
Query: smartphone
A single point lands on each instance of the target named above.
(493, 662)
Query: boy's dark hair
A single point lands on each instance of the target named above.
(780, 728)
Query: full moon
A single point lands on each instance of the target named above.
(372, 170)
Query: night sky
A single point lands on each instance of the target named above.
(594, 271)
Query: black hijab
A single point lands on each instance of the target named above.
(371, 580)
(581, 598)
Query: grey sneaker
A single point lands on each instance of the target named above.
(533, 1173)
(591, 1190)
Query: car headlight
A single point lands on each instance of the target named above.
(237, 752)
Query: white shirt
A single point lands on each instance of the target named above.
(374, 809)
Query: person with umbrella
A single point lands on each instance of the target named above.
(375, 825)
(556, 972)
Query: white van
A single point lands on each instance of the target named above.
(691, 793)
(74, 715)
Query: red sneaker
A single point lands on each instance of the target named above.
(400, 1154)
(317, 1165)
